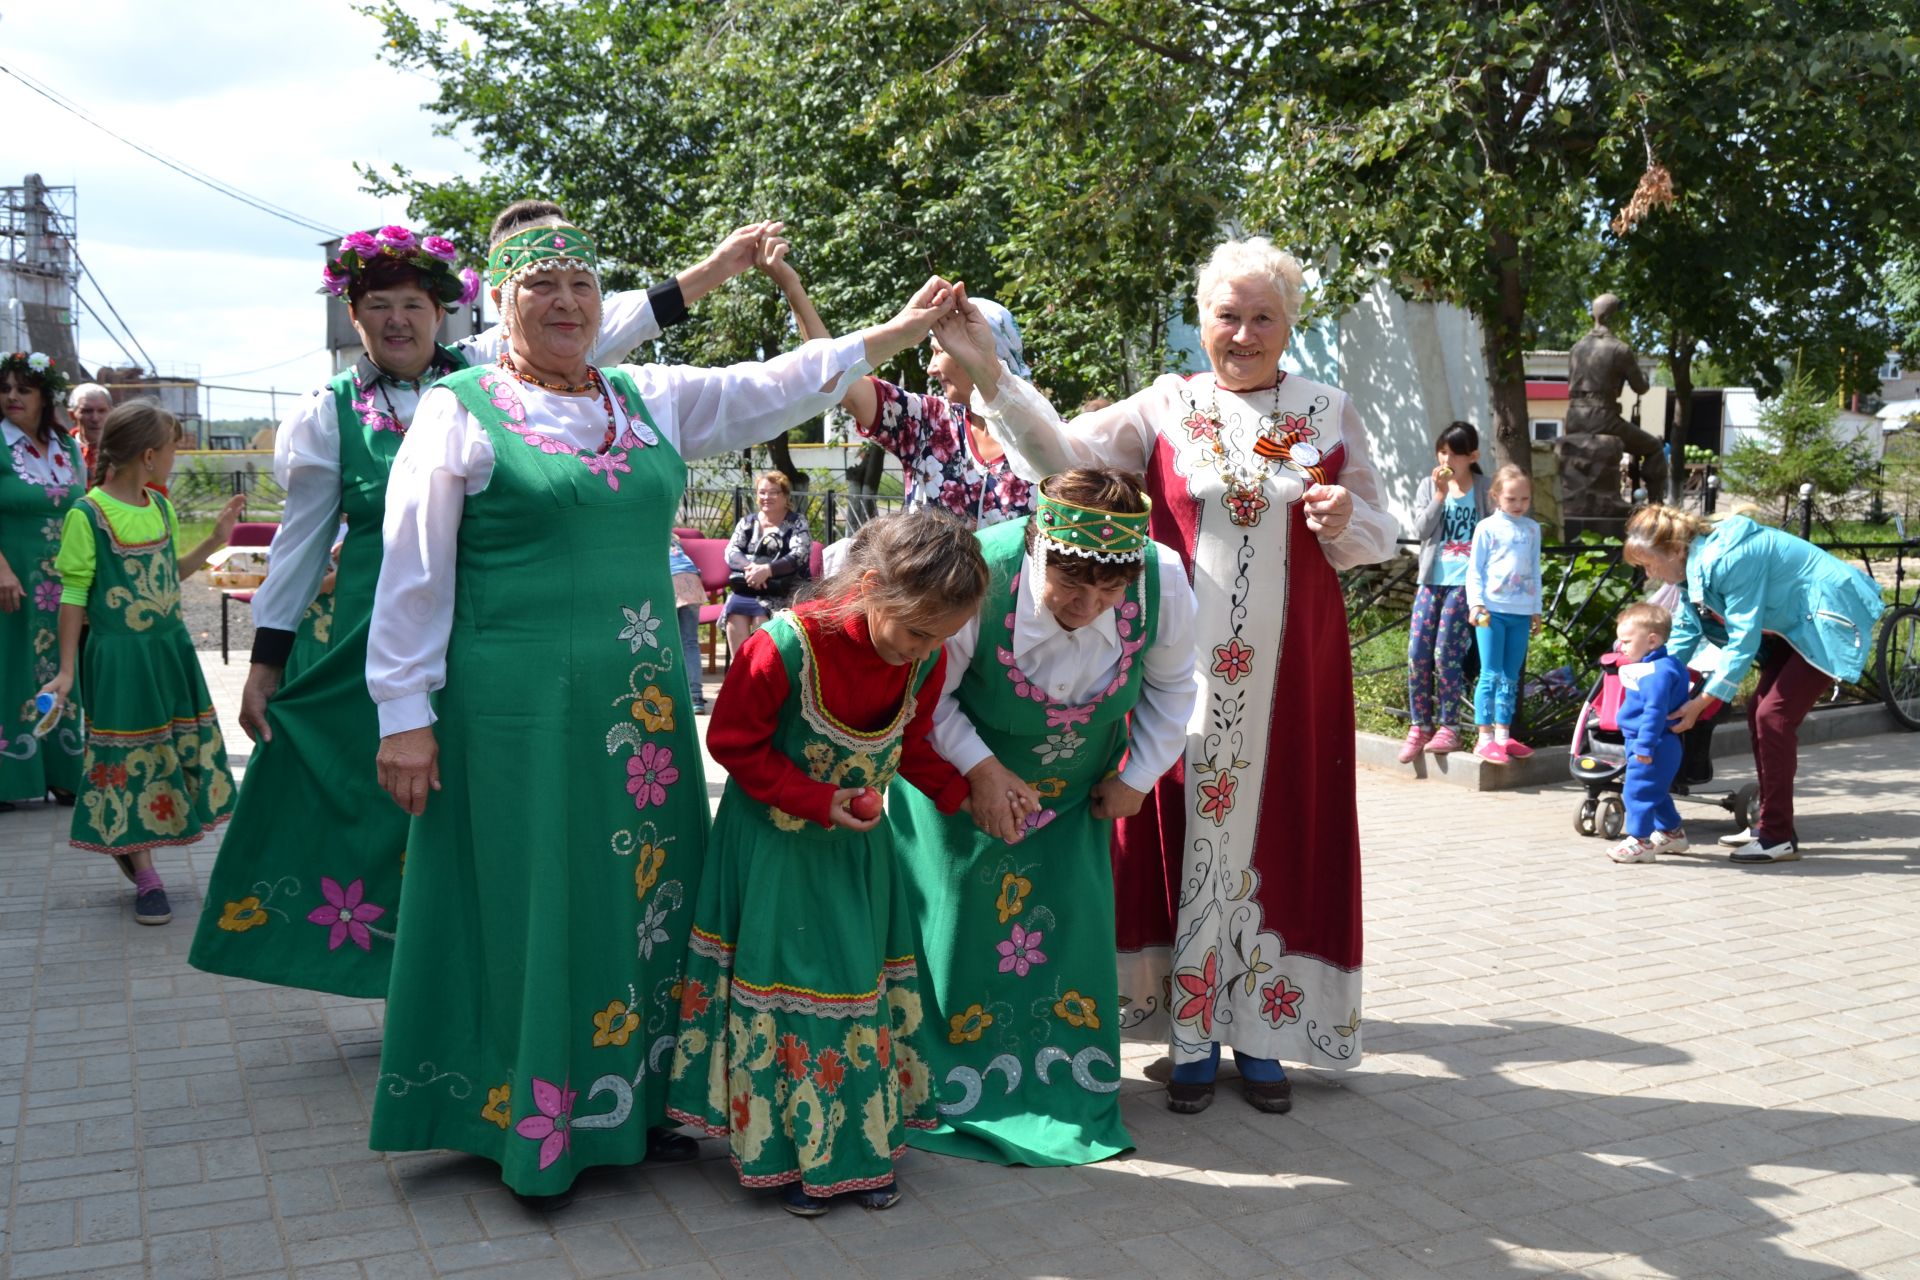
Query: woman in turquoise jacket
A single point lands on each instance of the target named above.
(1763, 596)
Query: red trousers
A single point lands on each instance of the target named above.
(1789, 687)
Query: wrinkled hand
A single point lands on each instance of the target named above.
(1689, 712)
(11, 592)
(263, 682)
(1001, 800)
(228, 517)
(1329, 508)
(965, 335)
(409, 768)
(1113, 798)
(911, 323)
(740, 251)
(758, 575)
(843, 816)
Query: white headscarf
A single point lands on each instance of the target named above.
(1006, 337)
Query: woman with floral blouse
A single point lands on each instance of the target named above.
(949, 460)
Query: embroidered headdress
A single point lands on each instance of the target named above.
(33, 368)
(533, 249)
(433, 256)
(1111, 537)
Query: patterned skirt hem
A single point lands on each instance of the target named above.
(147, 846)
(781, 1179)
(118, 739)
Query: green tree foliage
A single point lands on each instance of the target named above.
(1076, 159)
(1774, 121)
(1797, 445)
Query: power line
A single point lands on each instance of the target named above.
(179, 166)
(101, 290)
(105, 329)
(241, 373)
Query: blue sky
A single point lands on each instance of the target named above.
(279, 99)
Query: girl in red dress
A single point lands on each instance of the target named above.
(801, 1015)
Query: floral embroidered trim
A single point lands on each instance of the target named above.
(1062, 715)
(609, 466)
(813, 704)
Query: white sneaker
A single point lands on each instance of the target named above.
(1631, 849)
(1737, 838)
(1674, 841)
(1755, 851)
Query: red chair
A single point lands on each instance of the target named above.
(816, 560)
(709, 556)
(252, 533)
(684, 532)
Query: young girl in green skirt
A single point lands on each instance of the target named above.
(155, 772)
(801, 1023)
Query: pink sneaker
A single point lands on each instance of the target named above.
(1416, 739)
(1492, 752)
(1443, 741)
(1517, 750)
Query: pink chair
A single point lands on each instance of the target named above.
(709, 556)
(250, 533)
(816, 560)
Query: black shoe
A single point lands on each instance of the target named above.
(152, 907)
(7, 806)
(60, 797)
(125, 864)
(546, 1204)
(1274, 1096)
(795, 1200)
(1189, 1099)
(878, 1197)
(664, 1146)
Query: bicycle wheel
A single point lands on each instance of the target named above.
(1899, 665)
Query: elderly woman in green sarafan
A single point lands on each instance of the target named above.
(533, 704)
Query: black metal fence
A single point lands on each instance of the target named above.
(831, 514)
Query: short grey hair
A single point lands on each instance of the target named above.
(86, 389)
(1255, 258)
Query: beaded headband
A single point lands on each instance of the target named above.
(433, 256)
(541, 249)
(1111, 537)
(35, 367)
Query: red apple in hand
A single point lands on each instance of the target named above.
(865, 806)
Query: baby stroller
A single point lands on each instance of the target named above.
(1597, 759)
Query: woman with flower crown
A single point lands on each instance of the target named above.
(41, 478)
(523, 635)
(1066, 698)
(312, 840)
(1239, 882)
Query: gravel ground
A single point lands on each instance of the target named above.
(200, 602)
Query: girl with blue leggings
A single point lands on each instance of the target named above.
(1503, 594)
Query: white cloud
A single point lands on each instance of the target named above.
(277, 99)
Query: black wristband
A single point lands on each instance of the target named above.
(272, 646)
(669, 308)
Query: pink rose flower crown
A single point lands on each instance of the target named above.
(435, 257)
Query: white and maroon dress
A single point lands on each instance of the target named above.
(1238, 884)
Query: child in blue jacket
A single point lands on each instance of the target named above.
(1657, 685)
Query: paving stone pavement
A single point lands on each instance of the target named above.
(1687, 1069)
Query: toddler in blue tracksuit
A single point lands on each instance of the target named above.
(1657, 685)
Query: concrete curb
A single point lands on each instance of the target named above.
(1548, 766)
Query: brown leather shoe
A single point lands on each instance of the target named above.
(1276, 1096)
(1189, 1099)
